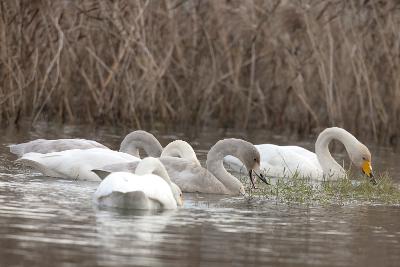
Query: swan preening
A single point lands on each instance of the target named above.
(188, 174)
(283, 161)
(149, 188)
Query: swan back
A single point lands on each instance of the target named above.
(154, 166)
(145, 191)
(48, 146)
(182, 149)
(141, 139)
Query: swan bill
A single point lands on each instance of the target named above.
(367, 169)
(259, 175)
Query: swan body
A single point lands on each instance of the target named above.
(75, 163)
(131, 145)
(283, 161)
(191, 177)
(149, 188)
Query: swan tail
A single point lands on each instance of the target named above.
(18, 149)
(38, 167)
(101, 173)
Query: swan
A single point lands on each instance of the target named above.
(149, 188)
(191, 177)
(131, 145)
(75, 163)
(180, 149)
(281, 161)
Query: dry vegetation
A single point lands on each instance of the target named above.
(293, 65)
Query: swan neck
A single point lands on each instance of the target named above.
(140, 139)
(162, 172)
(180, 149)
(129, 148)
(329, 165)
(152, 166)
(215, 166)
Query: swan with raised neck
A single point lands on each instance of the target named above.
(358, 153)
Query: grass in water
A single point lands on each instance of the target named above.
(298, 189)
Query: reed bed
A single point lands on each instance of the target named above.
(285, 65)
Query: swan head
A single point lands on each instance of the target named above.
(361, 158)
(153, 165)
(250, 157)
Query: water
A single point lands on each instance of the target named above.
(52, 222)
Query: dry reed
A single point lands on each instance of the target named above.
(294, 65)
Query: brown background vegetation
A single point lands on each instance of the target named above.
(283, 65)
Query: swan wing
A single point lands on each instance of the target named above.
(47, 146)
(75, 163)
(190, 177)
(280, 161)
(120, 167)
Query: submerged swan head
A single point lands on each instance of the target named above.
(152, 165)
(182, 149)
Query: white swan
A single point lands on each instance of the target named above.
(131, 145)
(75, 163)
(283, 161)
(191, 177)
(149, 188)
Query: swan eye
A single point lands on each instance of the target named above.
(364, 158)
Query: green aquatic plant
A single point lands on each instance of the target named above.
(304, 190)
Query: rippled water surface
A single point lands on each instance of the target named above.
(53, 222)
